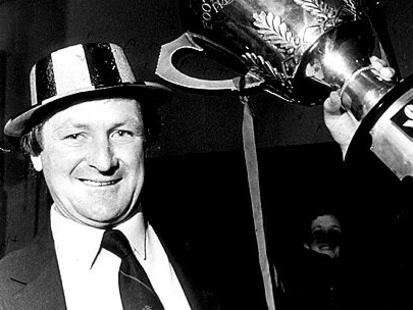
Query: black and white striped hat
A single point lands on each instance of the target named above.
(81, 72)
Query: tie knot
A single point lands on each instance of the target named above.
(116, 242)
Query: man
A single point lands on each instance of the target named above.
(86, 132)
(314, 275)
(325, 235)
(389, 224)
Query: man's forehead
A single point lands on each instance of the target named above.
(325, 221)
(100, 109)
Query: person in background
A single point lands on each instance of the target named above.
(395, 270)
(313, 278)
(325, 235)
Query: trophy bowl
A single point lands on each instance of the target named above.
(299, 51)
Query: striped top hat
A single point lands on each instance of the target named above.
(77, 73)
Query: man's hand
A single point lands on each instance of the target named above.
(339, 121)
(337, 116)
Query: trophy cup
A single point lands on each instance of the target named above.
(300, 50)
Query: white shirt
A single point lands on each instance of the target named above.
(90, 275)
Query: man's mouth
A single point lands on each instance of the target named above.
(99, 183)
(326, 248)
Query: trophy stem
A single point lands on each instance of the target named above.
(365, 89)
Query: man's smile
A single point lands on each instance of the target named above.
(99, 183)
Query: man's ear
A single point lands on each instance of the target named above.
(37, 163)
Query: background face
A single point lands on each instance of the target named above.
(325, 235)
(92, 160)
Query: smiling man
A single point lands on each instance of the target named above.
(86, 131)
(325, 236)
(94, 165)
(316, 276)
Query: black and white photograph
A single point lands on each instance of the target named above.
(206, 154)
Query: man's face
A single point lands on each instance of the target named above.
(326, 235)
(92, 160)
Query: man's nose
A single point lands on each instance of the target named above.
(101, 155)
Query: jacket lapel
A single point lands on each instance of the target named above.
(40, 283)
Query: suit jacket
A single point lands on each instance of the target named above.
(30, 279)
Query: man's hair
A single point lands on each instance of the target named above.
(31, 143)
(310, 216)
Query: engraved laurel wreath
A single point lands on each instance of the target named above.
(277, 33)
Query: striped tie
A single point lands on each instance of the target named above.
(135, 288)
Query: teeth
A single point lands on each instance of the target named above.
(98, 183)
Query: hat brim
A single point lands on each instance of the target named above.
(148, 93)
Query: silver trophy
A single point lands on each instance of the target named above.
(300, 50)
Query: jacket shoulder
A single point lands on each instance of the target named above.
(21, 266)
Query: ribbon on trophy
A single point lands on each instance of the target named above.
(299, 51)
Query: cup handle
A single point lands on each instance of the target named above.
(167, 71)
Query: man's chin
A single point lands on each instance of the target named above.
(330, 253)
(104, 220)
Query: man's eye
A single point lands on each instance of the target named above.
(123, 133)
(125, 136)
(74, 136)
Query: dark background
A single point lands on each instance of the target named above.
(196, 185)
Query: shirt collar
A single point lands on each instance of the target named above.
(81, 243)
(135, 231)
